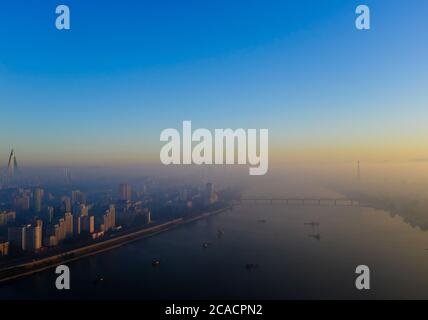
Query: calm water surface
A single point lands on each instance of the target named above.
(290, 259)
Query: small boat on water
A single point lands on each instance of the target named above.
(205, 245)
(261, 221)
(312, 224)
(315, 236)
(156, 263)
(98, 280)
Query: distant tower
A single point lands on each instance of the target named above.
(12, 169)
(12, 165)
(358, 171)
(67, 175)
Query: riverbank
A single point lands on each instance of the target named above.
(34, 266)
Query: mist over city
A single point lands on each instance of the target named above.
(213, 158)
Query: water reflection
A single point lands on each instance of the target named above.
(264, 252)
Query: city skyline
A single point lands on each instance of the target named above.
(213, 157)
(101, 93)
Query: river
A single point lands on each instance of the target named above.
(263, 252)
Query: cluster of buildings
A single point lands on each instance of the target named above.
(131, 211)
(6, 218)
(57, 219)
(69, 226)
(35, 236)
(26, 199)
(108, 219)
(125, 192)
(26, 237)
(191, 196)
(51, 226)
(46, 221)
(22, 200)
(210, 196)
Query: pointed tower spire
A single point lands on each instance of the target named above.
(10, 164)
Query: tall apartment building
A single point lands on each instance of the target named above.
(16, 237)
(61, 229)
(68, 218)
(37, 199)
(52, 235)
(4, 248)
(33, 237)
(77, 197)
(26, 238)
(22, 202)
(7, 217)
(87, 224)
(109, 219)
(125, 192)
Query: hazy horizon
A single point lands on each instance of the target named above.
(102, 92)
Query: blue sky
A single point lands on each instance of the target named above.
(128, 69)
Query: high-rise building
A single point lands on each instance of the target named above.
(77, 197)
(61, 229)
(38, 236)
(210, 196)
(52, 235)
(39, 223)
(51, 241)
(108, 219)
(22, 202)
(50, 212)
(7, 217)
(65, 204)
(4, 248)
(112, 211)
(33, 237)
(37, 199)
(148, 215)
(125, 192)
(80, 210)
(16, 237)
(77, 224)
(88, 224)
(68, 219)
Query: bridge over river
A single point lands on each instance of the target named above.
(306, 201)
